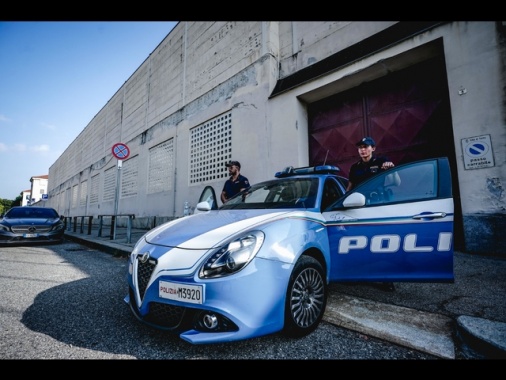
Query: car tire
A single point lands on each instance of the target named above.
(306, 298)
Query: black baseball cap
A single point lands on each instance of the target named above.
(233, 163)
(366, 141)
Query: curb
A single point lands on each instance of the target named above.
(481, 338)
(426, 332)
(115, 249)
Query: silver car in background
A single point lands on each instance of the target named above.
(31, 224)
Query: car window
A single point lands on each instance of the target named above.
(294, 192)
(208, 195)
(15, 213)
(418, 182)
(344, 181)
(28, 212)
(331, 192)
(410, 183)
(48, 213)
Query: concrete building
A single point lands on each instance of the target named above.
(26, 197)
(38, 190)
(277, 94)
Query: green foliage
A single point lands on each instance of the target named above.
(17, 201)
(5, 204)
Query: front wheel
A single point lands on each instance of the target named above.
(306, 297)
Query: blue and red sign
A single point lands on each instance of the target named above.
(120, 151)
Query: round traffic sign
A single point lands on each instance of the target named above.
(120, 151)
(477, 149)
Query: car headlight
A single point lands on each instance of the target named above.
(4, 227)
(58, 227)
(232, 257)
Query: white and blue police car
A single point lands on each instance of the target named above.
(262, 262)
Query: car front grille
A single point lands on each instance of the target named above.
(30, 229)
(172, 317)
(168, 316)
(144, 271)
(160, 314)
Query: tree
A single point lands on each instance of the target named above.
(18, 200)
(5, 204)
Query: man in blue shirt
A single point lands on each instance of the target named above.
(236, 183)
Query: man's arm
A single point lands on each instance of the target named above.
(391, 179)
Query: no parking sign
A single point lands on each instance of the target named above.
(477, 152)
(120, 151)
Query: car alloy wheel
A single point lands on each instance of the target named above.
(306, 297)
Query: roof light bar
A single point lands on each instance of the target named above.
(290, 171)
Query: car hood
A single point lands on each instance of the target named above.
(27, 221)
(208, 230)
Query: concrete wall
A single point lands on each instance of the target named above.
(204, 71)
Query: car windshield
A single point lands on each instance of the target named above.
(30, 212)
(293, 192)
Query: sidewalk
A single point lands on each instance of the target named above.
(463, 320)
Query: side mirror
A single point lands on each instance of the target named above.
(354, 200)
(202, 207)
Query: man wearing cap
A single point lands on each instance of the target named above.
(236, 183)
(368, 165)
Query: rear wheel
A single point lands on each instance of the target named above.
(306, 298)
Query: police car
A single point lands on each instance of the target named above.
(262, 262)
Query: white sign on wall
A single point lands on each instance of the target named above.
(477, 152)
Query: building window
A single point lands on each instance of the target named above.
(129, 175)
(210, 150)
(95, 181)
(110, 184)
(75, 189)
(84, 193)
(161, 161)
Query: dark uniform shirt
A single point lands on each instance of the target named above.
(360, 170)
(231, 188)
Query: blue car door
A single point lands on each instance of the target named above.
(397, 226)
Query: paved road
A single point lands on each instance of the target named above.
(66, 302)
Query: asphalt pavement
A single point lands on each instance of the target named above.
(462, 320)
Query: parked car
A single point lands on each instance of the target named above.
(31, 224)
(261, 263)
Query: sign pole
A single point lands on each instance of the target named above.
(121, 152)
(116, 197)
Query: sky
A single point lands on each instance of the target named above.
(54, 79)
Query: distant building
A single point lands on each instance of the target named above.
(26, 197)
(38, 189)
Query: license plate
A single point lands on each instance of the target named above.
(30, 235)
(181, 292)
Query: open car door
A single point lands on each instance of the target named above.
(207, 200)
(397, 226)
